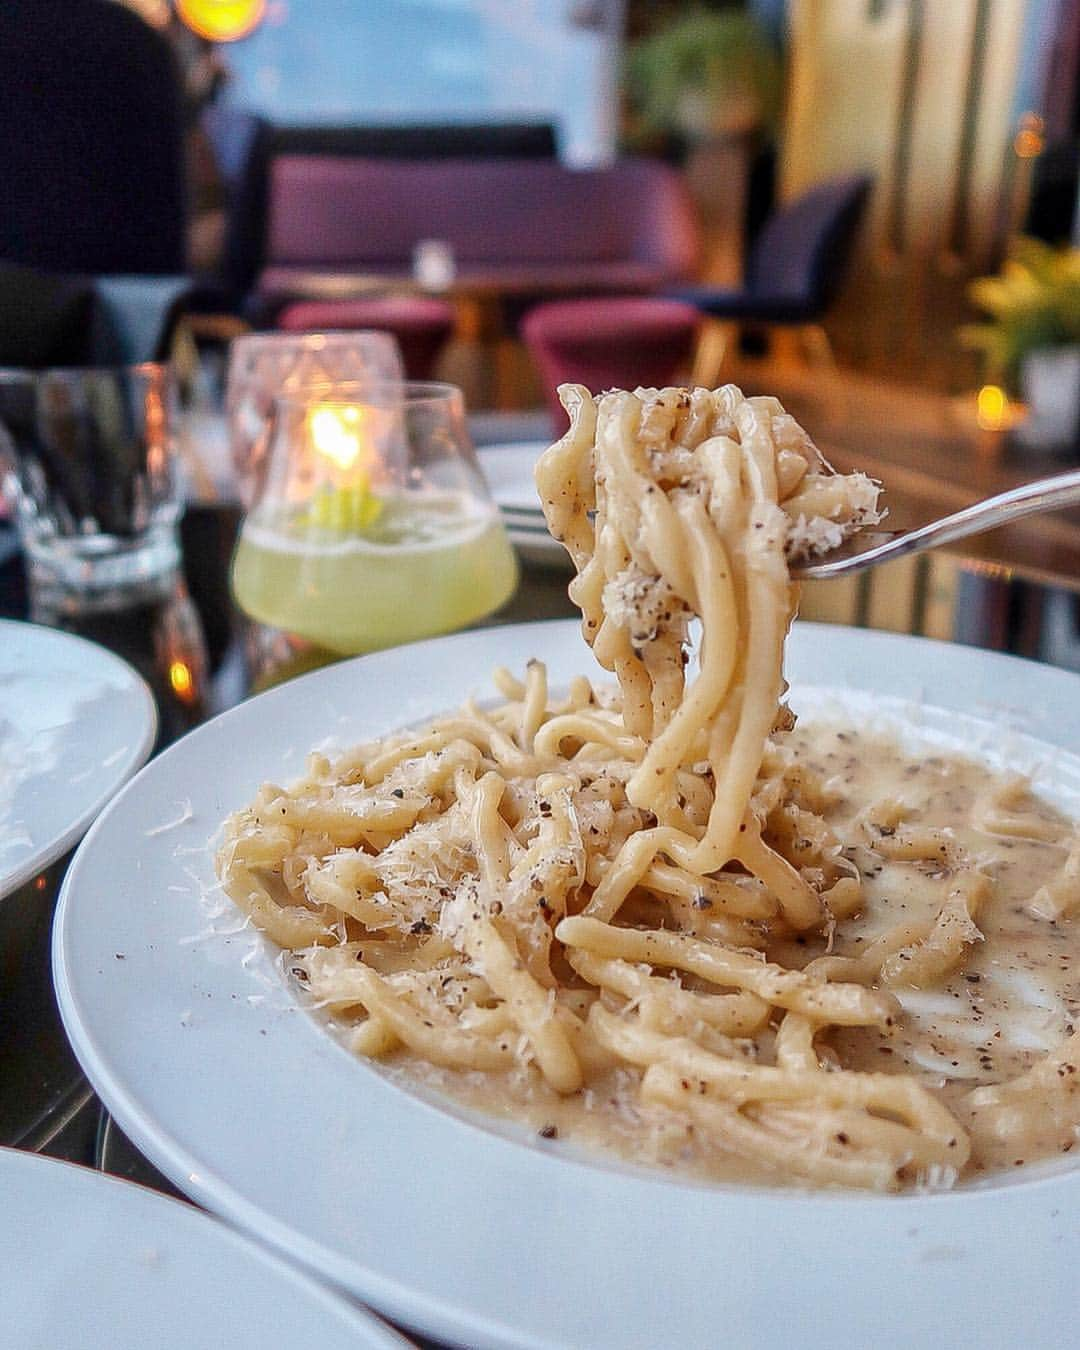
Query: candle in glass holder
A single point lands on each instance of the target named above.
(264, 366)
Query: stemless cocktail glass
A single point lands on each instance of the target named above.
(372, 524)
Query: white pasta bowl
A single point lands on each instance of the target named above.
(478, 1233)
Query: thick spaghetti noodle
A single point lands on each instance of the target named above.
(639, 897)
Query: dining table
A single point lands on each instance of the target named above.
(46, 1103)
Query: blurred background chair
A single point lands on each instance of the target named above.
(795, 270)
(609, 342)
(421, 325)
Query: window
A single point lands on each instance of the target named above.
(385, 61)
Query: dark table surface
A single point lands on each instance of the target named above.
(933, 458)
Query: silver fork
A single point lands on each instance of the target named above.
(870, 547)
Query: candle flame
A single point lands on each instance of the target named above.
(1030, 139)
(338, 434)
(991, 406)
(182, 680)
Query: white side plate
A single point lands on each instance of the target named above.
(92, 1263)
(75, 724)
(509, 473)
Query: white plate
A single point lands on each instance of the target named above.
(509, 472)
(478, 1234)
(75, 724)
(92, 1263)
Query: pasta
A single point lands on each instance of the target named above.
(659, 901)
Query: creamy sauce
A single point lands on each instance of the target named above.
(1014, 997)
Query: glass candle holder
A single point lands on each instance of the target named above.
(263, 366)
(371, 524)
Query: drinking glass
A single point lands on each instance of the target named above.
(371, 524)
(264, 365)
(87, 457)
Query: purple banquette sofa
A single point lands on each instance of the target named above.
(518, 228)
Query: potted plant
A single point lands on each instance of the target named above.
(705, 74)
(1031, 342)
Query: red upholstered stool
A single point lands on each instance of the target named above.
(420, 324)
(616, 342)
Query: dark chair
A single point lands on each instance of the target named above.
(608, 342)
(421, 324)
(798, 262)
(92, 152)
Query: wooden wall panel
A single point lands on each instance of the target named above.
(919, 93)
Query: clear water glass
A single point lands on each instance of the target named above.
(264, 365)
(372, 524)
(88, 460)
